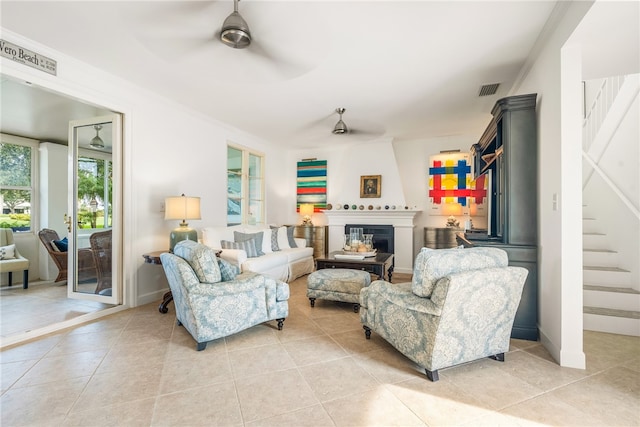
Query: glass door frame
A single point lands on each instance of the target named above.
(116, 209)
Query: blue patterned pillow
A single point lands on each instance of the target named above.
(228, 270)
(282, 238)
(274, 239)
(201, 258)
(243, 237)
(249, 246)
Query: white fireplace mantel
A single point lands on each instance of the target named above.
(401, 220)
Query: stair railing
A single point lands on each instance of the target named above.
(599, 109)
(611, 185)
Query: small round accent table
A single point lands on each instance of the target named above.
(154, 258)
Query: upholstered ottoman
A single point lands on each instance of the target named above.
(337, 284)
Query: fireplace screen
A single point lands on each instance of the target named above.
(382, 235)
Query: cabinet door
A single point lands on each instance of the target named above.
(525, 324)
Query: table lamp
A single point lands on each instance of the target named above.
(306, 210)
(183, 208)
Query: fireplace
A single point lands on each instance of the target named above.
(401, 221)
(382, 235)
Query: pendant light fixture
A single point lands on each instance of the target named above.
(340, 127)
(97, 142)
(235, 31)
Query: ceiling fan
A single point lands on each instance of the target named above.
(235, 31)
(198, 34)
(340, 127)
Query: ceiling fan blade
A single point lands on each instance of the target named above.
(188, 30)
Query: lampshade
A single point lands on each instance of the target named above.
(451, 209)
(306, 210)
(184, 208)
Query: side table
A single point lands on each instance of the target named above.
(154, 258)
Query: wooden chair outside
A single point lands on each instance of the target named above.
(86, 265)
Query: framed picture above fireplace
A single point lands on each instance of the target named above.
(370, 186)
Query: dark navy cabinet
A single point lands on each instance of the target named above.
(508, 151)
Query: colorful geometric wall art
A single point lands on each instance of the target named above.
(312, 184)
(449, 182)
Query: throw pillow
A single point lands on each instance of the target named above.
(266, 240)
(281, 237)
(54, 247)
(249, 246)
(292, 242)
(7, 252)
(201, 258)
(274, 239)
(243, 237)
(228, 270)
(63, 244)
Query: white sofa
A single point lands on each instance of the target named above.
(285, 264)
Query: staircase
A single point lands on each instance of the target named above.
(611, 296)
(610, 303)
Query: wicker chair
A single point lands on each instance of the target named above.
(86, 266)
(102, 256)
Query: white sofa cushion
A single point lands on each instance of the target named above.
(265, 262)
(295, 254)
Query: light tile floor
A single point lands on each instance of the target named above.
(137, 368)
(41, 304)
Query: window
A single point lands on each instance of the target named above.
(245, 186)
(17, 182)
(95, 191)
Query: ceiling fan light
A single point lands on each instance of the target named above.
(340, 128)
(235, 32)
(97, 142)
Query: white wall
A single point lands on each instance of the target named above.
(404, 168)
(168, 150)
(53, 200)
(559, 317)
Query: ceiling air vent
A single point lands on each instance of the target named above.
(489, 89)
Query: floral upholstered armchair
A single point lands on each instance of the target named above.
(212, 300)
(459, 307)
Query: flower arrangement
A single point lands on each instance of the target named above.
(452, 221)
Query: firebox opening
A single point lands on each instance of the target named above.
(382, 235)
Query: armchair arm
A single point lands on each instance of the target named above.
(243, 283)
(401, 296)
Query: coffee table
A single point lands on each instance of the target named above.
(381, 264)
